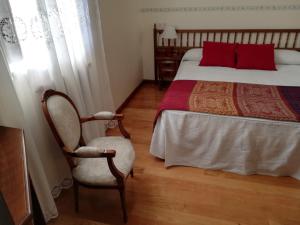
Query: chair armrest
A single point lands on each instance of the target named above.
(108, 116)
(93, 152)
(102, 116)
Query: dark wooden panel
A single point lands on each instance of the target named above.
(13, 174)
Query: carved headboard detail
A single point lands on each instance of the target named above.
(187, 39)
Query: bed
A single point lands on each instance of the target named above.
(241, 145)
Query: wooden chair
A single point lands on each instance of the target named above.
(103, 163)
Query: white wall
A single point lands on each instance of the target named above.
(226, 19)
(122, 46)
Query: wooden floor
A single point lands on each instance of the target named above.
(182, 195)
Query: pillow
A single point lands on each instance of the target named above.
(218, 54)
(257, 57)
(287, 57)
(194, 54)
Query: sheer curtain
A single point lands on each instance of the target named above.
(54, 44)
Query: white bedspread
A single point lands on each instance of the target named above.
(236, 144)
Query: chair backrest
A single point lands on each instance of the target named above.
(63, 119)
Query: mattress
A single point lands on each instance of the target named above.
(286, 75)
(236, 144)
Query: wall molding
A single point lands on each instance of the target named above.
(231, 8)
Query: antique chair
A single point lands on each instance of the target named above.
(105, 162)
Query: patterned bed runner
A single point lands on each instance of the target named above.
(233, 99)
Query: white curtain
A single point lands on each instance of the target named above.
(54, 44)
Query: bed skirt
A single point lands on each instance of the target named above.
(234, 144)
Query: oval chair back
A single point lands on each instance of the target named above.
(64, 120)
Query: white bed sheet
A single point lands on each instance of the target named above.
(286, 75)
(236, 144)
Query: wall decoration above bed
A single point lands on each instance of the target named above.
(194, 38)
(223, 8)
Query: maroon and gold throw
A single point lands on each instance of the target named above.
(234, 99)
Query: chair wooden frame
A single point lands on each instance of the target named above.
(108, 154)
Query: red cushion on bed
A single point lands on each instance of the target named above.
(218, 54)
(260, 57)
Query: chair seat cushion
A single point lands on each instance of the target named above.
(96, 171)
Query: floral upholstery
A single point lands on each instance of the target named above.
(65, 120)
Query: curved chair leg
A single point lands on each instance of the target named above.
(131, 173)
(123, 203)
(76, 193)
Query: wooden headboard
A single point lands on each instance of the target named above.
(187, 39)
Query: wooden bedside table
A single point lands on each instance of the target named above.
(167, 67)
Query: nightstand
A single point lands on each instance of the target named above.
(166, 68)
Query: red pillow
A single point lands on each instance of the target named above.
(218, 54)
(259, 57)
